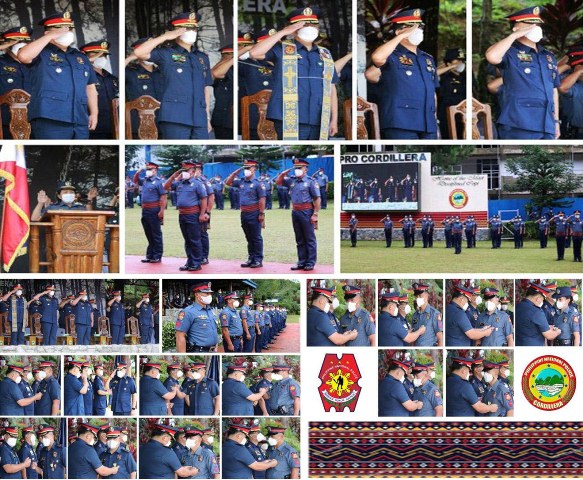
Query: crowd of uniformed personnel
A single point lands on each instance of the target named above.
(71, 90)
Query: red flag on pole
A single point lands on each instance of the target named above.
(16, 211)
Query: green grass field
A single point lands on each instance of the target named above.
(293, 319)
(227, 238)
(373, 257)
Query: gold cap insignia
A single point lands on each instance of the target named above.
(417, 13)
(23, 30)
(192, 16)
(536, 10)
(271, 32)
(247, 36)
(67, 15)
(461, 53)
(308, 11)
(103, 44)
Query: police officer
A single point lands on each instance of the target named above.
(219, 189)
(50, 402)
(532, 327)
(83, 460)
(196, 327)
(427, 315)
(571, 90)
(28, 451)
(323, 330)
(303, 70)
(197, 456)
(495, 318)
(426, 392)
(567, 319)
(76, 385)
(495, 231)
(100, 391)
(462, 400)
(51, 456)
(232, 327)
(208, 438)
(394, 401)
(174, 371)
(530, 76)
(459, 331)
(322, 181)
(548, 306)
(357, 318)
(388, 229)
(70, 111)
(118, 456)
(187, 79)
(153, 201)
(83, 318)
(393, 329)
(249, 317)
(471, 228)
(17, 314)
(543, 231)
(26, 389)
(446, 222)
(88, 396)
(266, 406)
(158, 460)
(283, 195)
(268, 182)
(504, 375)
(252, 195)
(191, 198)
(205, 225)
(255, 446)
(145, 319)
(288, 460)
(519, 228)
(456, 232)
(154, 396)
(66, 193)
(107, 88)
(408, 79)
(49, 310)
(237, 398)
(286, 392)
(497, 393)
(100, 445)
(472, 311)
(12, 400)
(238, 462)
(222, 74)
(576, 229)
(203, 394)
(117, 318)
(10, 464)
(452, 90)
(13, 74)
(477, 378)
(123, 391)
(505, 302)
(352, 226)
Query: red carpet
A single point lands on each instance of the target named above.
(171, 265)
(288, 341)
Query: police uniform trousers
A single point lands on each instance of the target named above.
(448, 240)
(17, 338)
(265, 337)
(560, 247)
(268, 199)
(249, 345)
(511, 133)
(577, 241)
(49, 330)
(389, 236)
(543, 238)
(223, 133)
(83, 334)
(118, 334)
(153, 230)
(204, 239)
(191, 232)
(178, 131)
(259, 341)
(305, 131)
(353, 237)
(324, 198)
(220, 200)
(45, 129)
(306, 243)
(146, 333)
(252, 229)
(457, 242)
(400, 134)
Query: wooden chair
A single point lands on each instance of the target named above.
(104, 331)
(479, 111)
(70, 330)
(17, 101)
(5, 328)
(364, 111)
(36, 334)
(146, 107)
(133, 330)
(265, 128)
(115, 117)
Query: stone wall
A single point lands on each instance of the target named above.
(379, 234)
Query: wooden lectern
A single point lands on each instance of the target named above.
(75, 242)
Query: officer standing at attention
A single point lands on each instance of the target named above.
(576, 229)
(452, 89)
(393, 329)
(157, 460)
(50, 402)
(196, 327)
(222, 74)
(532, 327)
(459, 331)
(497, 393)
(154, 198)
(17, 314)
(117, 318)
(10, 464)
(288, 460)
(447, 231)
(51, 457)
(255, 436)
(428, 316)
(472, 311)
(252, 198)
(28, 451)
(75, 386)
(408, 79)
(471, 227)
(561, 233)
(186, 79)
(456, 232)
(12, 401)
(357, 318)
(249, 317)
(219, 189)
(519, 228)
(238, 462)
(145, 319)
(83, 460)
(100, 392)
(388, 229)
(529, 72)
(352, 225)
(237, 398)
(50, 314)
(123, 392)
(462, 400)
(26, 389)
(477, 378)
(101, 444)
(203, 393)
(567, 319)
(323, 330)
(498, 320)
(191, 201)
(543, 231)
(426, 392)
(197, 456)
(83, 318)
(505, 302)
(265, 406)
(13, 74)
(393, 399)
(107, 88)
(305, 197)
(87, 396)
(63, 93)
(286, 392)
(322, 180)
(174, 372)
(495, 231)
(118, 455)
(154, 396)
(232, 327)
(304, 72)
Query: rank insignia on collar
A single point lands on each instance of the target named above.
(80, 61)
(55, 58)
(405, 60)
(176, 57)
(9, 69)
(429, 62)
(524, 57)
(549, 59)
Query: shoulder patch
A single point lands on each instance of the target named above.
(437, 394)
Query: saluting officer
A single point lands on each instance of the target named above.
(196, 327)
(238, 462)
(352, 226)
(123, 392)
(63, 101)
(393, 329)
(388, 229)
(197, 456)
(83, 318)
(408, 79)
(252, 198)
(305, 197)
(498, 320)
(561, 233)
(83, 459)
(394, 401)
(174, 371)
(237, 398)
(17, 314)
(50, 402)
(303, 72)
(117, 318)
(75, 386)
(232, 327)
(219, 190)
(28, 451)
(288, 460)
(529, 72)
(154, 396)
(187, 79)
(497, 393)
(107, 88)
(576, 228)
(323, 331)
(154, 198)
(87, 396)
(452, 89)
(145, 319)
(10, 464)
(286, 392)
(50, 314)
(426, 392)
(51, 456)
(222, 73)
(532, 327)
(357, 318)
(13, 74)
(203, 394)
(471, 228)
(428, 316)
(118, 456)
(459, 331)
(567, 319)
(543, 231)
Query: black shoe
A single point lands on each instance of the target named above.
(145, 260)
(308, 268)
(256, 265)
(297, 267)
(184, 268)
(158, 260)
(205, 261)
(195, 268)
(247, 264)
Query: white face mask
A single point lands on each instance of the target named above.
(185, 175)
(210, 439)
(535, 35)
(207, 300)
(407, 309)
(33, 440)
(478, 300)
(460, 67)
(242, 378)
(100, 62)
(168, 443)
(46, 442)
(149, 173)
(308, 34)
(432, 374)
(249, 303)
(260, 437)
(498, 307)
(504, 307)
(244, 56)
(243, 441)
(417, 382)
(157, 375)
(236, 303)
(540, 304)
(18, 293)
(298, 172)
(51, 293)
(68, 197)
(118, 299)
(190, 443)
(488, 377)
(42, 375)
(112, 444)
(147, 300)
(11, 442)
(124, 438)
(272, 441)
(402, 379)
(29, 376)
(120, 374)
(189, 37)
(18, 379)
(179, 374)
(490, 305)
(335, 303)
(561, 304)
(66, 39)
(351, 306)
(465, 307)
(247, 172)
(92, 441)
(17, 47)
(575, 297)
(505, 372)
(276, 377)
(416, 37)
(326, 307)
(264, 446)
(467, 376)
(196, 375)
(419, 301)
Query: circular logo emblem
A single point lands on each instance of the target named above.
(458, 198)
(548, 383)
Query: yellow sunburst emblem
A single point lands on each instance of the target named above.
(339, 382)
